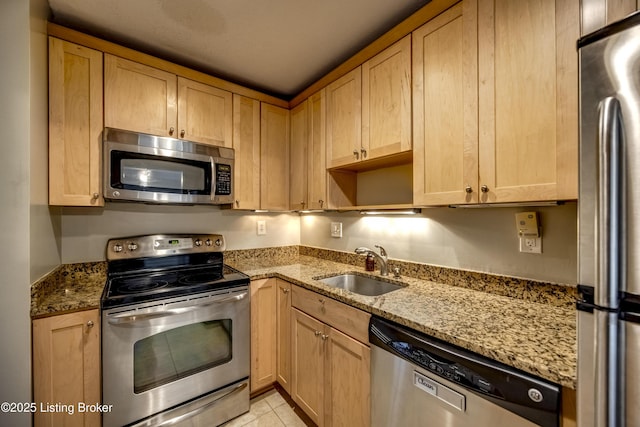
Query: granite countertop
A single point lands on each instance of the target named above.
(536, 337)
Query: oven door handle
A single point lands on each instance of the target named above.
(201, 409)
(131, 318)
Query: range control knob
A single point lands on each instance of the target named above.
(117, 247)
(218, 242)
(132, 246)
(198, 242)
(208, 242)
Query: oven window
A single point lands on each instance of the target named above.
(180, 352)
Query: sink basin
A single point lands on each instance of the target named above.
(359, 284)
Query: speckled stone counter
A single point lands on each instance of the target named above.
(71, 287)
(522, 323)
(538, 338)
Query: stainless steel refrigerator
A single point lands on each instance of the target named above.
(609, 227)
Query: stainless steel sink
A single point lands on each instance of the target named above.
(360, 284)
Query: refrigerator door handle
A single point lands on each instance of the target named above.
(609, 236)
(609, 344)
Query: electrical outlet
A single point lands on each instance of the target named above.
(531, 245)
(336, 229)
(262, 227)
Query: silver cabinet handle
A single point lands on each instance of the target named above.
(484, 189)
(171, 131)
(356, 153)
(321, 203)
(324, 337)
(182, 133)
(364, 153)
(321, 300)
(317, 333)
(95, 196)
(131, 318)
(468, 189)
(90, 324)
(285, 290)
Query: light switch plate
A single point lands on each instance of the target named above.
(336, 229)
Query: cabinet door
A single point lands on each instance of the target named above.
(274, 152)
(75, 124)
(347, 381)
(317, 162)
(595, 14)
(386, 101)
(263, 333)
(308, 365)
(66, 366)
(528, 99)
(246, 143)
(298, 190)
(283, 335)
(344, 118)
(445, 108)
(139, 98)
(205, 113)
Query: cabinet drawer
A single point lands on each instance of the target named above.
(349, 320)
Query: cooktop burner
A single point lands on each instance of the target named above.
(149, 268)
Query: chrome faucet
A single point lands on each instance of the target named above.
(384, 270)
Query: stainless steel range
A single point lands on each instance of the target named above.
(175, 332)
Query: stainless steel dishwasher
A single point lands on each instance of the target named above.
(420, 381)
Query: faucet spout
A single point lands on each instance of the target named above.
(382, 257)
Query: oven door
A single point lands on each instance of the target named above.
(160, 354)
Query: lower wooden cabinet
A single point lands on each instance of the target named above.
(330, 369)
(66, 367)
(263, 333)
(283, 334)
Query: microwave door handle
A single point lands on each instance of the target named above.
(132, 318)
(611, 212)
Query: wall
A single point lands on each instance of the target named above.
(470, 239)
(22, 55)
(85, 231)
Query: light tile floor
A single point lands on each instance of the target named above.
(268, 410)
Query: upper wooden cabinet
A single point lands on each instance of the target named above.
(386, 102)
(445, 108)
(246, 143)
(528, 99)
(145, 99)
(308, 154)
(66, 367)
(274, 153)
(369, 109)
(75, 124)
(298, 189)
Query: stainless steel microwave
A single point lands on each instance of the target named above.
(151, 169)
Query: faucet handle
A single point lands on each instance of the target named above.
(382, 251)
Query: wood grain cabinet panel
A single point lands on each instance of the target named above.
(344, 119)
(445, 108)
(299, 181)
(139, 98)
(263, 333)
(205, 113)
(317, 161)
(283, 335)
(528, 98)
(246, 143)
(274, 153)
(75, 124)
(66, 367)
(595, 14)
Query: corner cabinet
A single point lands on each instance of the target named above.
(75, 124)
(528, 100)
(330, 360)
(66, 366)
(144, 99)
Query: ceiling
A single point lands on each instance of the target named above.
(276, 46)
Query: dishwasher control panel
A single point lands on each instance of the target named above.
(447, 369)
